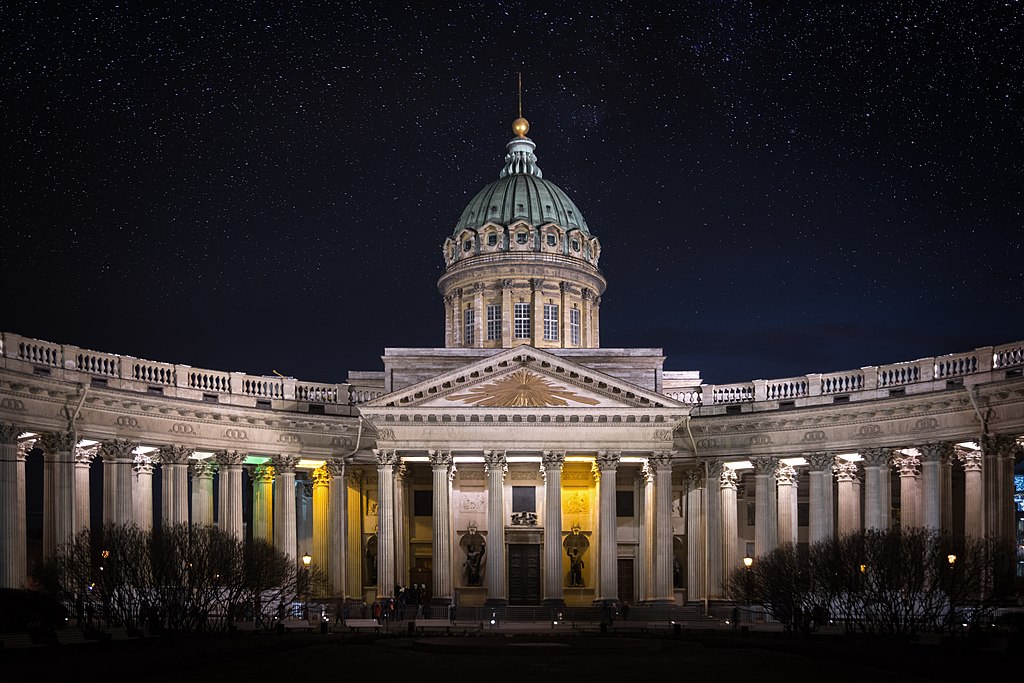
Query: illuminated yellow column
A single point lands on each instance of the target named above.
(354, 533)
(387, 461)
(321, 519)
(263, 503)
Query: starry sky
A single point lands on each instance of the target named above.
(266, 186)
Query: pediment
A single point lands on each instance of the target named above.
(524, 377)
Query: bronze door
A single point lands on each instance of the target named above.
(524, 574)
(626, 581)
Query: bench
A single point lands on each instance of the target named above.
(434, 625)
(362, 624)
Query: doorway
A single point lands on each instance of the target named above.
(523, 574)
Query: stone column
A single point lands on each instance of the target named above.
(118, 474)
(229, 506)
(337, 513)
(648, 536)
(284, 505)
(202, 490)
(354, 578)
(661, 461)
(765, 515)
(595, 313)
(387, 461)
(506, 314)
(564, 305)
(974, 499)
(110, 481)
(537, 306)
(999, 504)
(174, 484)
(495, 466)
(730, 531)
(820, 515)
(58, 489)
(142, 498)
(13, 553)
(83, 461)
(552, 462)
(910, 489)
(479, 316)
(263, 503)
(876, 479)
(849, 496)
(695, 547)
(585, 324)
(785, 481)
(441, 547)
(321, 520)
(607, 463)
(932, 457)
(714, 529)
(401, 525)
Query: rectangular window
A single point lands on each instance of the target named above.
(551, 322)
(751, 517)
(524, 499)
(468, 320)
(574, 326)
(493, 322)
(802, 514)
(623, 503)
(522, 321)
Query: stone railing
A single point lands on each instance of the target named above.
(984, 364)
(113, 371)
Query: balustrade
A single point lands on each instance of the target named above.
(40, 353)
(1008, 355)
(898, 373)
(319, 393)
(732, 393)
(952, 366)
(838, 383)
(94, 363)
(154, 373)
(261, 387)
(209, 380)
(786, 388)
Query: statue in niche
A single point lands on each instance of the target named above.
(475, 547)
(576, 545)
(370, 554)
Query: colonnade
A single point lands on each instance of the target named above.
(837, 505)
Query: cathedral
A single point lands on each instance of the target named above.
(521, 464)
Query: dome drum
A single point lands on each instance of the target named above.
(521, 237)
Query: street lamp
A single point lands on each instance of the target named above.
(951, 558)
(307, 559)
(748, 561)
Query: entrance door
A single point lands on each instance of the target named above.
(626, 580)
(524, 574)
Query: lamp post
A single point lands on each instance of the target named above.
(307, 559)
(748, 562)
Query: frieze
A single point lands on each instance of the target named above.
(663, 435)
(522, 476)
(926, 424)
(869, 430)
(474, 502)
(236, 434)
(182, 428)
(8, 403)
(342, 441)
(386, 433)
(127, 421)
(290, 439)
(814, 436)
(760, 440)
(576, 476)
(471, 475)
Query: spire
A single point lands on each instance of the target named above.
(520, 159)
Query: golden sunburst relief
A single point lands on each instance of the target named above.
(521, 389)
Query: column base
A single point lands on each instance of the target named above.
(552, 602)
(496, 602)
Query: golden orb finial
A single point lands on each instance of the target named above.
(521, 127)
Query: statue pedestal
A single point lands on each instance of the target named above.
(470, 596)
(579, 597)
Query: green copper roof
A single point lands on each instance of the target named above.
(521, 193)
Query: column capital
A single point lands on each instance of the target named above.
(727, 479)
(845, 470)
(322, 476)
(231, 459)
(440, 458)
(661, 460)
(143, 464)
(907, 465)
(335, 466)
(714, 467)
(174, 455)
(785, 474)
(57, 442)
(117, 449)
(507, 283)
(285, 464)
(608, 460)
(999, 444)
(26, 445)
(971, 460)
(695, 479)
(552, 459)
(263, 474)
(820, 461)
(876, 457)
(9, 433)
(385, 457)
(494, 459)
(931, 452)
(763, 464)
(85, 455)
(203, 469)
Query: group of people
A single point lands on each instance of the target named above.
(394, 609)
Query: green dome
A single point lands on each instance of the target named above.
(521, 193)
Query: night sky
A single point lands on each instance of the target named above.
(256, 186)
